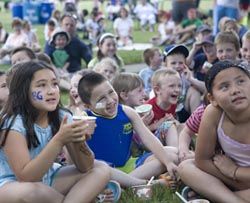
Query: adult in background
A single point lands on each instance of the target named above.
(180, 8)
(222, 8)
(76, 48)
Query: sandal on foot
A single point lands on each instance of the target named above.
(187, 194)
(115, 187)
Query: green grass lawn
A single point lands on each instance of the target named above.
(160, 195)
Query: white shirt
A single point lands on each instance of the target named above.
(123, 26)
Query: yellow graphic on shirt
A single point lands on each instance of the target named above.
(127, 128)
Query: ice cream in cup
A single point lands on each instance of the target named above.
(143, 109)
(90, 120)
(144, 192)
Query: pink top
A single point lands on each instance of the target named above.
(193, 122)
(237, 151)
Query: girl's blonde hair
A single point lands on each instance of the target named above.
(160, 75)
(246, 36)
(107, 61)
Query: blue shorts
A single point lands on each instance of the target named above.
(140, 161)
(12, 178)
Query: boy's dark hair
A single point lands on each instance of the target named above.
(87, 83)
(100, 41)
(220, 66)
(19, 103)
(51, 22)
(30, 53)
(2, 72)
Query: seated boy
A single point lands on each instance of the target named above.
(115, 124)
(174, 57)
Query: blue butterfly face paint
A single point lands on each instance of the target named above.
(37, 95)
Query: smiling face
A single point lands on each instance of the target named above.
(176, 62)
(226, 51)
(136, 97)
(169, 90)
(20, 56)
(209, 50)
(231, 90)
(156, 60)
(44, 93)
(60, 41)
(105, 95)
(108, 47)
(245, 51)
(73, 88)
(108, 71)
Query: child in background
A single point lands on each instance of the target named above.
(190, 129)
(34, 133)
(75, 104)
(153, 59)
(227, 45)
(107, 67)
(129, 87)
(123, 28)
(174, 57)
(4, 91)
(51, 26)
(226, 124)
(113, 144)
(107, 48)
(63, 80)
(165, 29)
(245, 49)
(22, 54)
(60, 39)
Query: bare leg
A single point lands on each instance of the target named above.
(206, 184)
(153, 167)
(79, 187)
(126, 180)
(17, 192)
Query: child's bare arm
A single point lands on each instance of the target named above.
(204, 152)
(184, 142)
(65, 67)
(150, 141)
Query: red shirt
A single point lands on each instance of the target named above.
(158, 112)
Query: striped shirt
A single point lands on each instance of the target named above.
(193, 122)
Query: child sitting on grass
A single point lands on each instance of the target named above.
(115, 124)
(153, 59)
(224, 162)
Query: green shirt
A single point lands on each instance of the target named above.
(60, 57)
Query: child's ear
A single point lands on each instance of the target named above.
(87, 106)
(212, 100)
(123, 95)
(156, 89)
